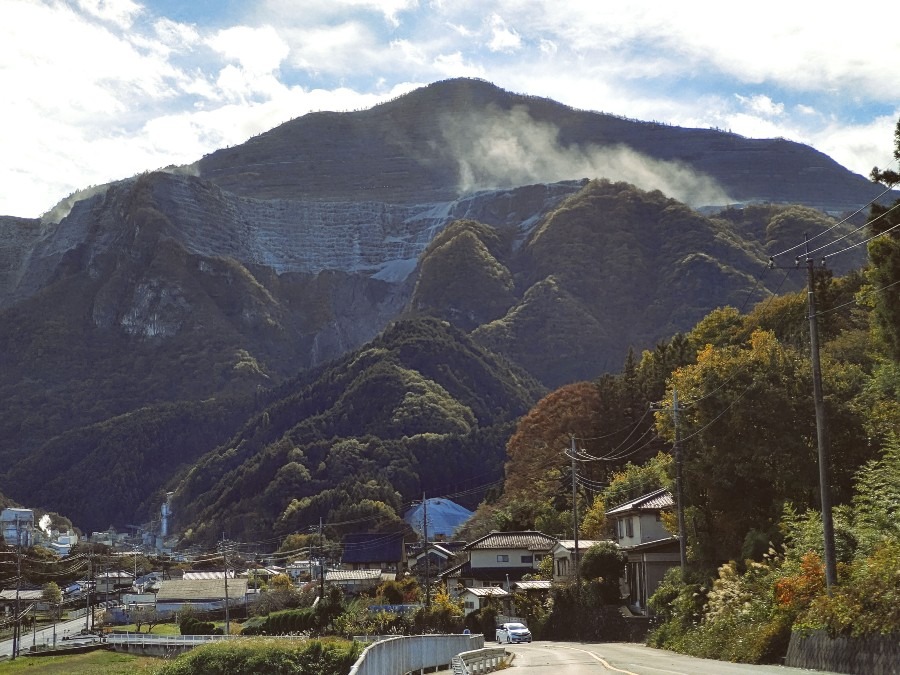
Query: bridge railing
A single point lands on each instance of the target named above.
(401, 655)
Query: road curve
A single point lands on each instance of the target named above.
(578, 658)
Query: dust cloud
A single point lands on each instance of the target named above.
(496, 149)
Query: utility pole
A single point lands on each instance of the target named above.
(224, 549)
(321, 565)
(87, 602)
(575, 516)
(821, 433)
(679, 481)
(427, 554)
(17, 627)
(679, 488)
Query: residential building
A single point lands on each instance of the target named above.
(383, 551)
(439, 558)
(498, 559)
(478, 598)
(651, 549)
(354, 582)
(200, 594)
(564, 557)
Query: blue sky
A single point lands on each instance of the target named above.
(96, 90)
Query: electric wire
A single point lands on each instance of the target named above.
(808, 254)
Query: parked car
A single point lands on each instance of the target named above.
(513, 632)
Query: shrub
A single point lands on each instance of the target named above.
(273, 657)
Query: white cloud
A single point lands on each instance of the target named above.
(259, 51)
(761, 105)
(120, 13)
(106, 88)
(503, 39)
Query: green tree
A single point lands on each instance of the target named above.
(884, 261)
(605, 562)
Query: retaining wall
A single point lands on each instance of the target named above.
(870, 655)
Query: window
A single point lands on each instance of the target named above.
(502, 558)
(621, 525)
(470, 604)
(629, 527)
(527, 558)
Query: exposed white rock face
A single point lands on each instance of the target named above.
(373, 239)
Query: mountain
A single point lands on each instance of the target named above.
(463, 135)
(191, 296)
(418, 409)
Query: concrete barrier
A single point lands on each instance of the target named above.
(413, 654)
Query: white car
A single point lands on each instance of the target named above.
(513, 632)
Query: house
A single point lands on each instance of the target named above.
(478, 598)
(651, 549)
(383, 551)
(109, 583)
(439, 558)
(498, 559)
(201, 576)
(200, 594)
(564, 557)
(354, 582)
(26, 597)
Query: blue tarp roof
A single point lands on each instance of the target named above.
(444, 517)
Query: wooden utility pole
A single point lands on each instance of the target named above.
(821, 432)
(575, 516)
(679, 489)
(427, 554)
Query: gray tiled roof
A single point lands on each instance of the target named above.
(657, 500)
(528, 540)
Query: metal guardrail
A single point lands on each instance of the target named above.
(478, 661)
(412, 654)
(151, 639)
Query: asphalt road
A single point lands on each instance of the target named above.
(64, 629)
(575, 658)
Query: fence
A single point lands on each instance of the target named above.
(478, 661)
(401, 655)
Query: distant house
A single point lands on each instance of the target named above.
(498, 559)
(201, 576)
(200, 594)
(383, 551)
(439, 558)
(109, 583)
(354, 582)
(26, 597)
(651, 549)
(564, 557)
(477, 598)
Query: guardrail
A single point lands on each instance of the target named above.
(478, 661)
(401, 655)
(194, 640)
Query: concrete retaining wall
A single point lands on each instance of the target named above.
(401, 655)
(870, 655)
